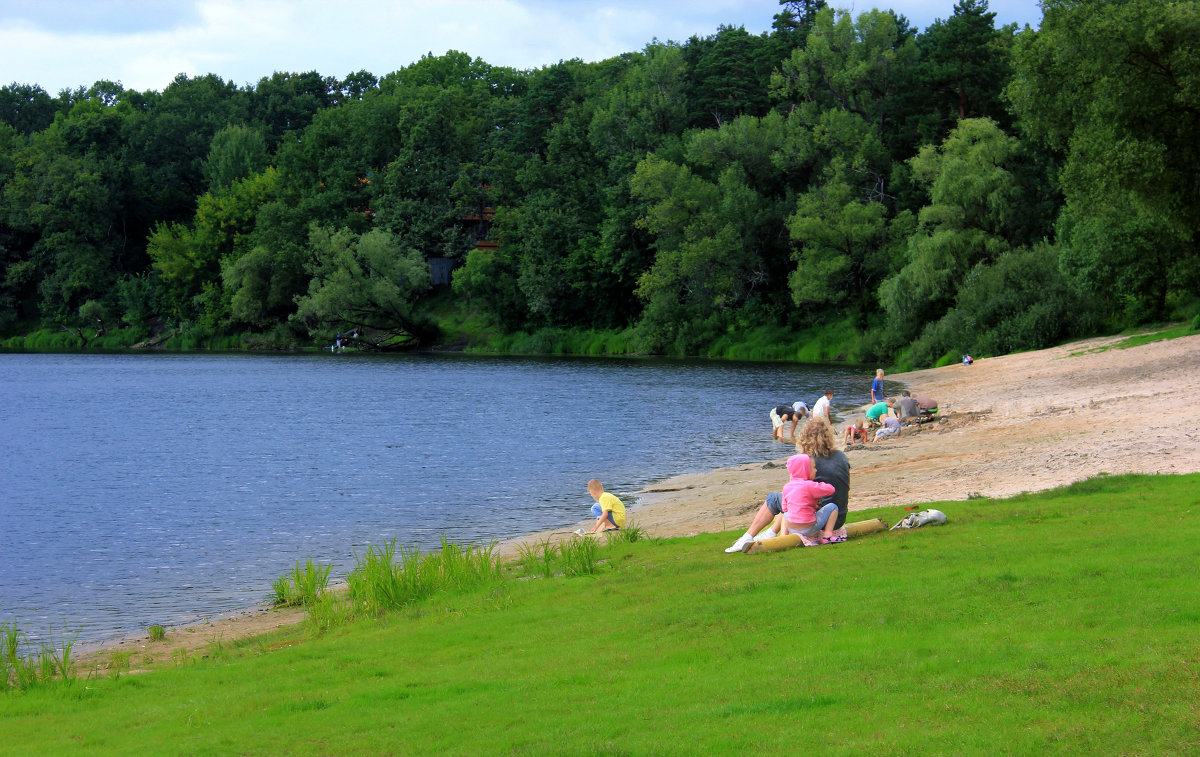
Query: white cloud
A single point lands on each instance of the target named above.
(42, 43)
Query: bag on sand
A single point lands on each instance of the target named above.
(923, 518)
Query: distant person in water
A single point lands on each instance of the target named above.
(781, 414)
(877, 394)
(608, 511)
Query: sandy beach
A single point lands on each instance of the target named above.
(1010, 424)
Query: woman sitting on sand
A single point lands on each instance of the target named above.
(831, 467)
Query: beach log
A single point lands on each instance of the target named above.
(791, 541)
(864, 527)
(773, 545)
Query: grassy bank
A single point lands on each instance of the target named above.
(1061, 622)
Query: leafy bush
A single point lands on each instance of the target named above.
(1020, 302)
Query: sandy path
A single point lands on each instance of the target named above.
(1023, 422)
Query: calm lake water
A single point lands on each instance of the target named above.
(142, 489)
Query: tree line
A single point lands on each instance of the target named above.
(968, 188)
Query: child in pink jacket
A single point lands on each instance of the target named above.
(801, 495)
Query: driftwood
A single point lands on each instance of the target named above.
(779, 543)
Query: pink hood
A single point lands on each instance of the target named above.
(799, 467)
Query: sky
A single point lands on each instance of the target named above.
(144, 44)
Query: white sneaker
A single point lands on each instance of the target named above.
(737, 545)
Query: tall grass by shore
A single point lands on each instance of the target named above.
(1062, 622)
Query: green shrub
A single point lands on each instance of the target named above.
(156, 632)
(630, 534)
(1019, 302)
(303, 586)
(383, 580)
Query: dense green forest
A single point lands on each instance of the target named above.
(839, 188)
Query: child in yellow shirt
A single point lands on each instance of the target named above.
(609, 511)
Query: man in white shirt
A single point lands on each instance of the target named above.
(821, 407)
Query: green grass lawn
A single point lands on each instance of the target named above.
(1062, 622)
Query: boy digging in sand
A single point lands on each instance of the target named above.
(608, 510)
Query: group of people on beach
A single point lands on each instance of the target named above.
(813, 503)
(886, 415)
(798, 411)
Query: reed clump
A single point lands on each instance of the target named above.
(538, 558)
(384, 579)
(21, 667)
(630, 534)
(580, 556)
(302, 586)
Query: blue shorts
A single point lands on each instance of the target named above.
(596, 511)
(823, 516)
(775, 502)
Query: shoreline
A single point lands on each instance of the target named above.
(1016, 423)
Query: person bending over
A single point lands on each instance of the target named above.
(876, 412)
(821, 407)
(782, 414)
(927, 405)
(907, 407)
(857, 432)
(608, 511)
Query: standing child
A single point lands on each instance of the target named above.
(608, 511)
(877, 394)
(801, 495)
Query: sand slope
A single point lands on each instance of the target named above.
(1022, 422)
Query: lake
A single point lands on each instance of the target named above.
(144, 489)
